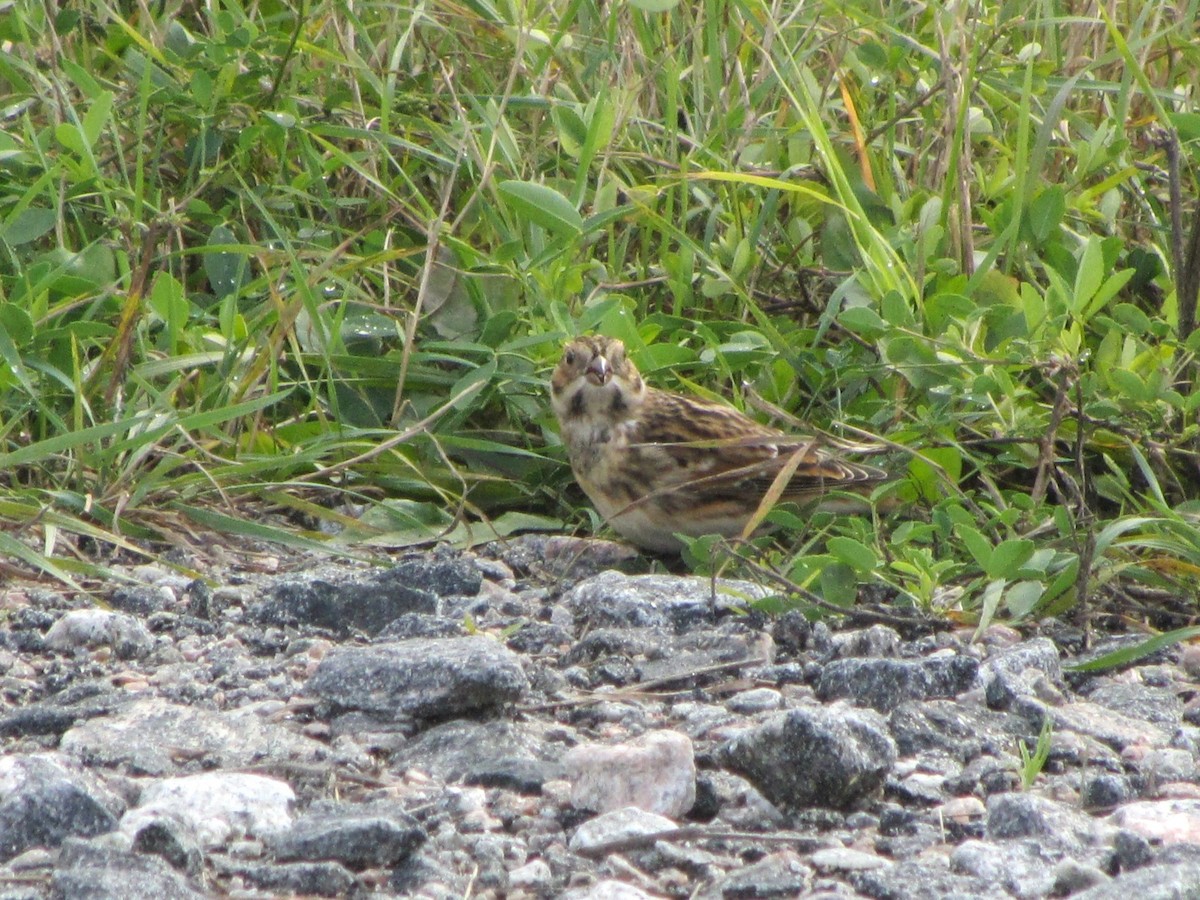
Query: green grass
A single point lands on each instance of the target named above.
(259, 266)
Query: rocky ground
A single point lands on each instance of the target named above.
(530, 722)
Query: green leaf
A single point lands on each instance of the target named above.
(927, 471)
(227, 271)
(17, 323)
(97, 117)
(979, 546)
(862, 320)
(572, 132)
(853, 553)
(1107, 291)
(1089, 276)
(1007, 558)
(1022, 598)
(839, 584)
(1046, 212)
(543, 206)
(28, 225)
(1130, 384)
(992, 595)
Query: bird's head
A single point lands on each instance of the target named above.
(595, 380)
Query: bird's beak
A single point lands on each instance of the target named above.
(598, 370)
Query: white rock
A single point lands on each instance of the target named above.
(755, 700)
(616, 826)
(99, 627)
(656, 772)
(216, 805)
(846, 859)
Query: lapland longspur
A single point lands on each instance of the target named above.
(657, 463)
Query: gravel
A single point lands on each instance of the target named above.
(530, 721)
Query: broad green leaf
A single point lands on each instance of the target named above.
(572, 132)
(853, 553)
(17, 323)
(1130, 384)
(978, 546)
(1107, 291)
(1089, 276)
(1022, 598)
(28, 225)
(1046, 212)
(544, 206)
(838, 584)
(862, 320)
(96, 117)
(1008, 558)
(227, 271)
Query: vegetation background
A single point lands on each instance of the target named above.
(298, 272)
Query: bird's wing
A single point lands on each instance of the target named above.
(697, 446)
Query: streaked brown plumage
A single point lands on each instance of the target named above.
(655, 463)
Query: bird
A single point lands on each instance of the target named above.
(657, 463)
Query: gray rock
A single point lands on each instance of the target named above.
(141, 600)
(1104, 789)
(608, 890)
(356, 841)
(495, 753)
(756, 700)
(1026, 815)
(43, 802)
(1071, 877)
(59, 712)
(782, 874)
(656, 601)
(961, 731)
(341, 607)
(1161, 706)
(1165, 882)
(564, 557)
(1105, 725)
(876, 641)
(425, 677)
(918, 880)
(1017, 672)
(319, 879)
(814, 757)
(152, 737)
(1131, 850)
(174, 840)
(1022, 868)
(88, 871)
(846, 859)
(884, 684)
